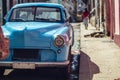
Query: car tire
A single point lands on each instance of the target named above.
(2, 70)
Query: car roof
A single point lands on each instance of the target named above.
(39, 4)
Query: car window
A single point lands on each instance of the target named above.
(47, 14)
(23, 14)
(42, 14)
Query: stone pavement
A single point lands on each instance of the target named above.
(100, 57)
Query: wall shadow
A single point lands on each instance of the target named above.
(87, 67)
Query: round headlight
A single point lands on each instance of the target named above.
(59, 41)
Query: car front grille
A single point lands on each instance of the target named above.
(25, 54)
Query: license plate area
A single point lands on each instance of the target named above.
(18, 65)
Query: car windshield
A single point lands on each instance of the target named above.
(42, 14)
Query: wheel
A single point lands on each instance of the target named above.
(2, 70)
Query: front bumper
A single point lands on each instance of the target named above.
(33, 65)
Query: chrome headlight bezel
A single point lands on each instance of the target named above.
(59, 41)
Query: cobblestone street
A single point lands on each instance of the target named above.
(100, 57)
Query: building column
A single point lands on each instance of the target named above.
(10, 3)
(4, 9)
(108, 17)
(91, 3)
(20, 1)
(96, 12)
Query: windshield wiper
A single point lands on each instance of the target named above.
(43, 19)
(17, 20)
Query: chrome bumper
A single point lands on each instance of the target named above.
(36, 64)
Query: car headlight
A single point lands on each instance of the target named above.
(59, 41)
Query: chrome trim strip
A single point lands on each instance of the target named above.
(37, 64)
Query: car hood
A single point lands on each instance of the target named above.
(31, 26)
(30, 34)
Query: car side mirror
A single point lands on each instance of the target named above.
(66, 20)
(70, 19)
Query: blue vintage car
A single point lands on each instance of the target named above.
(39, 34)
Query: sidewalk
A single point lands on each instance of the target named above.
(100, 57)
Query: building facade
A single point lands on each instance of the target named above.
(106, 14)
(113, 19)
(117, 22)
